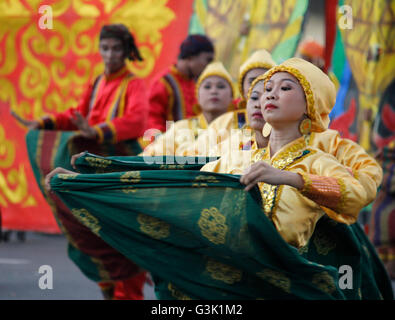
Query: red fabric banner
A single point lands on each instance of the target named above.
(48, 56)
(330, 31)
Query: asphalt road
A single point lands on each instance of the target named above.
(20, 278)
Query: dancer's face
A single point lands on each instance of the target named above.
(283, 100)
(215, 94)
(112, 53)
(249, 77)
(254, 113)
(199, 62)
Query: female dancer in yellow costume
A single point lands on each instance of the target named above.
(350, 154)
(298, 182)
(215, 95)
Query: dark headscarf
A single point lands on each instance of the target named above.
(195, 44)
(121, 32)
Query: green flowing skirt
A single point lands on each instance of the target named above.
(203, 237)
(49, 149)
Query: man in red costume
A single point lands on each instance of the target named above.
(113, 109)
(173, 96)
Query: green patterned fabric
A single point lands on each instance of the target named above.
(203, 237)
(48, 149)
(91, 163)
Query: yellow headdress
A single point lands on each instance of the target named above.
(319, 90)
(215, 69)
(259, 59)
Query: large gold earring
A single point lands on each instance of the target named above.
(267, 128)
(305, 126)
(197, 108)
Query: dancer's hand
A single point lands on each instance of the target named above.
(75, 157)
(82, 124)
(31, 124)
(49, 176)
(264, 172)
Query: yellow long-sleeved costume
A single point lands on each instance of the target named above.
(328, 186)
(348, 153)
(217, 132)
(177, 138)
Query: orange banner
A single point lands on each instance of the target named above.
(48, 56)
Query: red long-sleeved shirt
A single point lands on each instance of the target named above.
(171, 97)
(115, 105)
